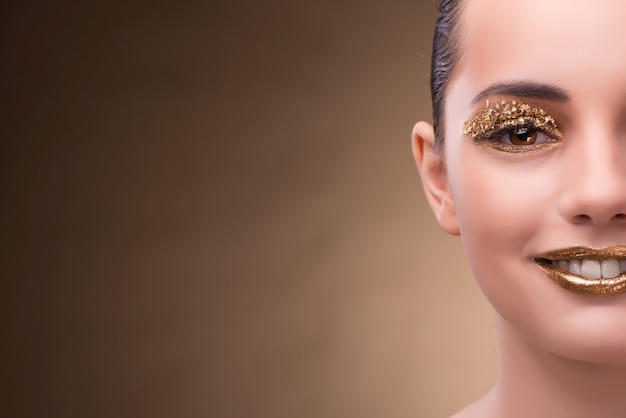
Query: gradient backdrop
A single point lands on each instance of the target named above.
(210, 209)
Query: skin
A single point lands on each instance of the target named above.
(561, 354)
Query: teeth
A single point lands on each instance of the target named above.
(610, 268)
(593, 269)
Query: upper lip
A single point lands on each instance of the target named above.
(571, 253)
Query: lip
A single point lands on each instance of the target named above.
(579, 284)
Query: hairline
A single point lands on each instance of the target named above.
(456, 35)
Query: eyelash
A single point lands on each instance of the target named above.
(494, 137)
(491, 126)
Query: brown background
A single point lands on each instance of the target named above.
(210, 209)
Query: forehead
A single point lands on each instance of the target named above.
(561, 42)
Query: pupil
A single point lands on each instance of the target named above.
(523, 136)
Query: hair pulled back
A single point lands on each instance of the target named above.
(446, 54)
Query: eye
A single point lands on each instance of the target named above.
(525, 136)
(513, 127)
(519, 137)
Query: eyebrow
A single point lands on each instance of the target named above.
(524, 89)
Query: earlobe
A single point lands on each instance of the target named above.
(432, 168)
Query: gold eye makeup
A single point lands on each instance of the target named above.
(513, 126)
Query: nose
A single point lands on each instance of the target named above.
(596, 183)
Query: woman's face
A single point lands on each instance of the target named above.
(517, 202)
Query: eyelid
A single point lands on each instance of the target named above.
(507, 115)
(529, 124)
(516, 149)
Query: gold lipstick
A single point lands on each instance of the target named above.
(588, 271)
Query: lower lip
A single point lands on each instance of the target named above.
(580, 285)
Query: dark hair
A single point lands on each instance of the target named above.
(446, 54)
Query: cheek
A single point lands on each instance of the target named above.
(501, 206)
(504, 209)
(507, 212)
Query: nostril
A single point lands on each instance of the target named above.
(586, 219)
(582, 219)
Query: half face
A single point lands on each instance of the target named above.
(535, 151)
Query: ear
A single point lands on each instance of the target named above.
(432, 168)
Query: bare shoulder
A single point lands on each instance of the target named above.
(477, 409)
(464, 413)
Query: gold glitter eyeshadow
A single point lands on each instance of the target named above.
(507, 115)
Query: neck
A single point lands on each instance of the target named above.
(533, 382)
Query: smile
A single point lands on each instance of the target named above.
(585, 270)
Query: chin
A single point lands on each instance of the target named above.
(553, 320)
(599, 354)
(590, 336)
